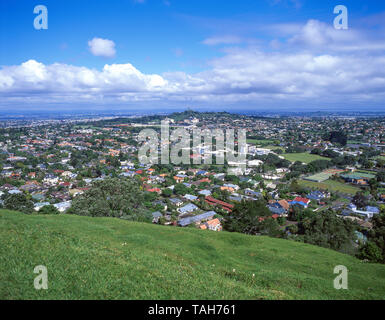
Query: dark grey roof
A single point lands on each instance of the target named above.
(157, 214)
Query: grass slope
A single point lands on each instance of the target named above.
(104, 258)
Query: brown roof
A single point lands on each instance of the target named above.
(284, 204)
(211, 199)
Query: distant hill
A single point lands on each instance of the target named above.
(106, 258)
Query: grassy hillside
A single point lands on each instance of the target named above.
(104, 258)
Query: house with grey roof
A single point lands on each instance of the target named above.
(205, 193)
(63, 206)
(40, 205)
(156, 216)
(197, 219)
(176, 202)
(189, 208)
(190, 197)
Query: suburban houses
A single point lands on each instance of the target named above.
(289, 169)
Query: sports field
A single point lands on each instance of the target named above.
(324, 175)
(303, 157)
(330, 185)
(259, 142)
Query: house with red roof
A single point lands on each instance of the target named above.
(302, 201)
(214, 202)
(213, 225)
(157, 190)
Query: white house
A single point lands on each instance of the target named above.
(63, 206)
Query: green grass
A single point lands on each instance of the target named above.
(322, 176)
(105, 258)
(365, 174)
(330, 185)
(259, 142)
(303, 157)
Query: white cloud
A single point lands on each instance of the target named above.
(319, 35)
(222, 40)
(317, 65)
(242, 75)
(102, 47)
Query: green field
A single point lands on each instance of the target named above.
(303, 157)
(106, 258)
(365, 174)
(323, 176)
(259, 142)
(330, 185)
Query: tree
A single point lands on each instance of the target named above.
(338, 137)
(295, 187)
(50, 209)
(251, 217)
(167, 192)
(298, 213)
(293, 229)
(180, 189)
(370, 251)
(381, 164)
(327, 230)
(360, 200)
(375, 251)
(18, 202)
(113, 197)
(381, 176)
(150, 196)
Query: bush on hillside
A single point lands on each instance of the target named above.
(113, 197)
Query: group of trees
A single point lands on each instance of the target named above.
(271, 162)
(113, 197)
(325, 153)
(360, 200)
(252, 217)
(327, 230)
(18, 202)
(81, 157)
(323, 229)
(299, 168)
(374, 249)
(381, 176)
(23, 203)
(339, 137)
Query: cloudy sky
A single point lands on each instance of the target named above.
(224, 55)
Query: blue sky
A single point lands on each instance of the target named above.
(244, 54)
